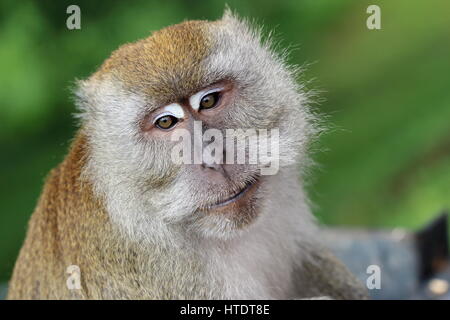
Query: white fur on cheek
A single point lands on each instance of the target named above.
(118, 163)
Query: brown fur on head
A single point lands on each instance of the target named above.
(165, 65)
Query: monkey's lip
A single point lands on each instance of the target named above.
(247, 189)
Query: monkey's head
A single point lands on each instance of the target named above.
(200, 80)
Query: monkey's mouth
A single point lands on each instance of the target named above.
(239, 197)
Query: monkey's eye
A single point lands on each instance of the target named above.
(210, 100)
(166, 122)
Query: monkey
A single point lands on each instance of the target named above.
(138, 225)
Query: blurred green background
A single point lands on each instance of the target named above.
(385, 163)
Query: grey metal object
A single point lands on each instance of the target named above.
(413, 265)
(393, 252)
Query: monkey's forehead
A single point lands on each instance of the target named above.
(170, 62)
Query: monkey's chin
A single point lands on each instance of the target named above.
(231, 216)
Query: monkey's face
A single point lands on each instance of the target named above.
(165, 118)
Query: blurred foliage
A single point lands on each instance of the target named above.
(385, 162)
